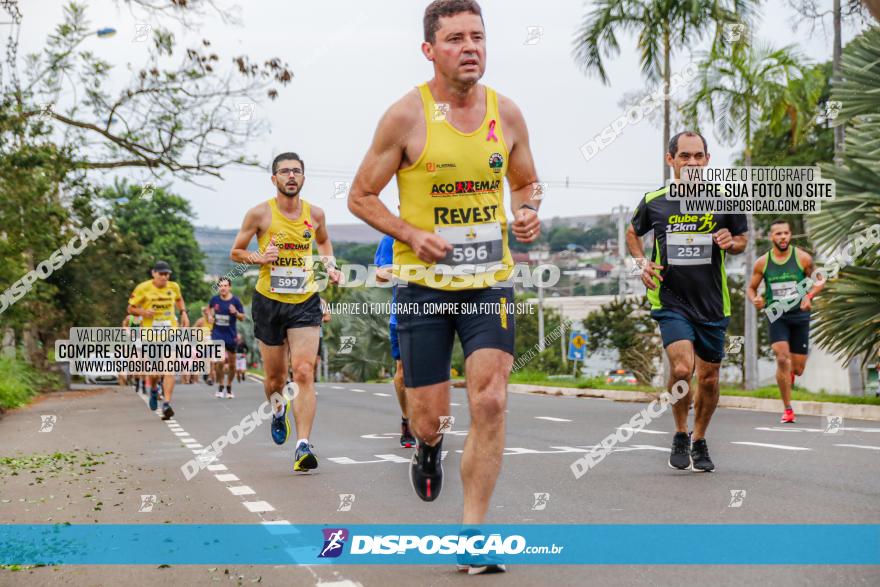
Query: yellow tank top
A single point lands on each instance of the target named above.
(289, 278)
(456, 190)
(161, 300)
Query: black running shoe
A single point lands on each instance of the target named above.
(679, 457)
(167, 412)
(407, 440)
(426, 470)
(700, 457)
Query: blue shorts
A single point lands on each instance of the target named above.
(395, 342)
(707, 337)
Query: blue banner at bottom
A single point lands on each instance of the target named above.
(564, 544)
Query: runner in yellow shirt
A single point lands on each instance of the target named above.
(154, 300)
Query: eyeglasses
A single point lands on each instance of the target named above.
(285, 171)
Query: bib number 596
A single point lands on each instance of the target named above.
(467, 253)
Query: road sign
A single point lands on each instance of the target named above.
(577, 346)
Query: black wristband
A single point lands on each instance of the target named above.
(530, 207)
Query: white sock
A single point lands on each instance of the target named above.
(302, 440)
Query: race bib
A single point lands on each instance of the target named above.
(784, 290)
(161, 323)
(475, 243)
(221, 319)
(688, 249)
(287, 280)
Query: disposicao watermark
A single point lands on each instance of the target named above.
(624, 433)
(56, 260)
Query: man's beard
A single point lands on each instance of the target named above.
(290, 192)
(783, 247)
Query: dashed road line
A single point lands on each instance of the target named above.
(380, 394)
(241, 490)
(551, 419)
(258, 507)
(359, 390)
(860, 446)
(226, 477)
(779, 446)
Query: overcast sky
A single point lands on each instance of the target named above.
(352, 59)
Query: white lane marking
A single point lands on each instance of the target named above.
(241, 490)
(359, 390)
(551, 419)
(336, 387)
(387, 458)
(382, 394)
(225, 478)
(191, 445)
(791, 429)
(343, 583)
(257, 507)
(181, 434)
(780, 446)
(217, 468)
(644, 430)
(454, 404)
(859, 446)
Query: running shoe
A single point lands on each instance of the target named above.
(304, 458)
(281, 426)
(167, 412)
(229, 394)
(679, 457)
(219, 392)
(700, 457)
(426, 470)
(788, 416)
(154, 399)
(407, 440)
(480, 564)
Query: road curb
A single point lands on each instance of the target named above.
(854, 411)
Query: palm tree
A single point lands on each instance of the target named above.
(849, 312)
(663, 26)
(740, 85)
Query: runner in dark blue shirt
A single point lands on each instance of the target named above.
(226, 310)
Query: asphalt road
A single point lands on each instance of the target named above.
(791, 474)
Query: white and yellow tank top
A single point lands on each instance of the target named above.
(290, 277)
(456, 190)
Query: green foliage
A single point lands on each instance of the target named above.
(19, 382)
(550, 360)
(626, 326)
(848, 316)
(162, 224)
(371, 354)
(355, 253)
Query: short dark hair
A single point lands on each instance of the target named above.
(780, 221)
(673, 142)
(226, 279)
(441, 8)
(288, 155)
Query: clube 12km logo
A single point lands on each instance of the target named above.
(336, 538)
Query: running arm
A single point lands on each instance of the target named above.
(381, 162)
(525, 190)
(754, 282)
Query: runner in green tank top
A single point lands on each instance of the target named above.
(781, 269)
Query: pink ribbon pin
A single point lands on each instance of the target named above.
(491, 135)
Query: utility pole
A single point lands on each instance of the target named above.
(621, 212)
(538, 256)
